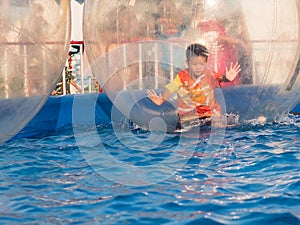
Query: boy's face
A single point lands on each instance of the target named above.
(197, 65)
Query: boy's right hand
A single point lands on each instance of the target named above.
(157, 99)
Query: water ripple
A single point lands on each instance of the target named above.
(253, 179)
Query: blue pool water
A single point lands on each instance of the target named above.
(252, 177)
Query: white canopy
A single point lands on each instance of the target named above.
(77, 20)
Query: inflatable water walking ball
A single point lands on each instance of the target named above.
(136, 45)
(34, 40)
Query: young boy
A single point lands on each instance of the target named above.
(195, 86)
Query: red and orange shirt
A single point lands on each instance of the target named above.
(196, 97)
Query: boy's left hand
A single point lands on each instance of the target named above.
(233, 71)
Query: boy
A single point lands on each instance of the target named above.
(195, 86)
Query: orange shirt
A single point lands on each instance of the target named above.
(196, 97)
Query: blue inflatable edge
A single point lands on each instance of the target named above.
(56, 114)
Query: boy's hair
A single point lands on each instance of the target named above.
(196, 50)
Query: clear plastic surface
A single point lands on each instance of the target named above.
(140, 44)
(34, 40)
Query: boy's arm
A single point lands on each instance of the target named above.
(159, 99)
(170, 88)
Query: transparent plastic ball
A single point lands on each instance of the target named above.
(138, 45)
(34, 41)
